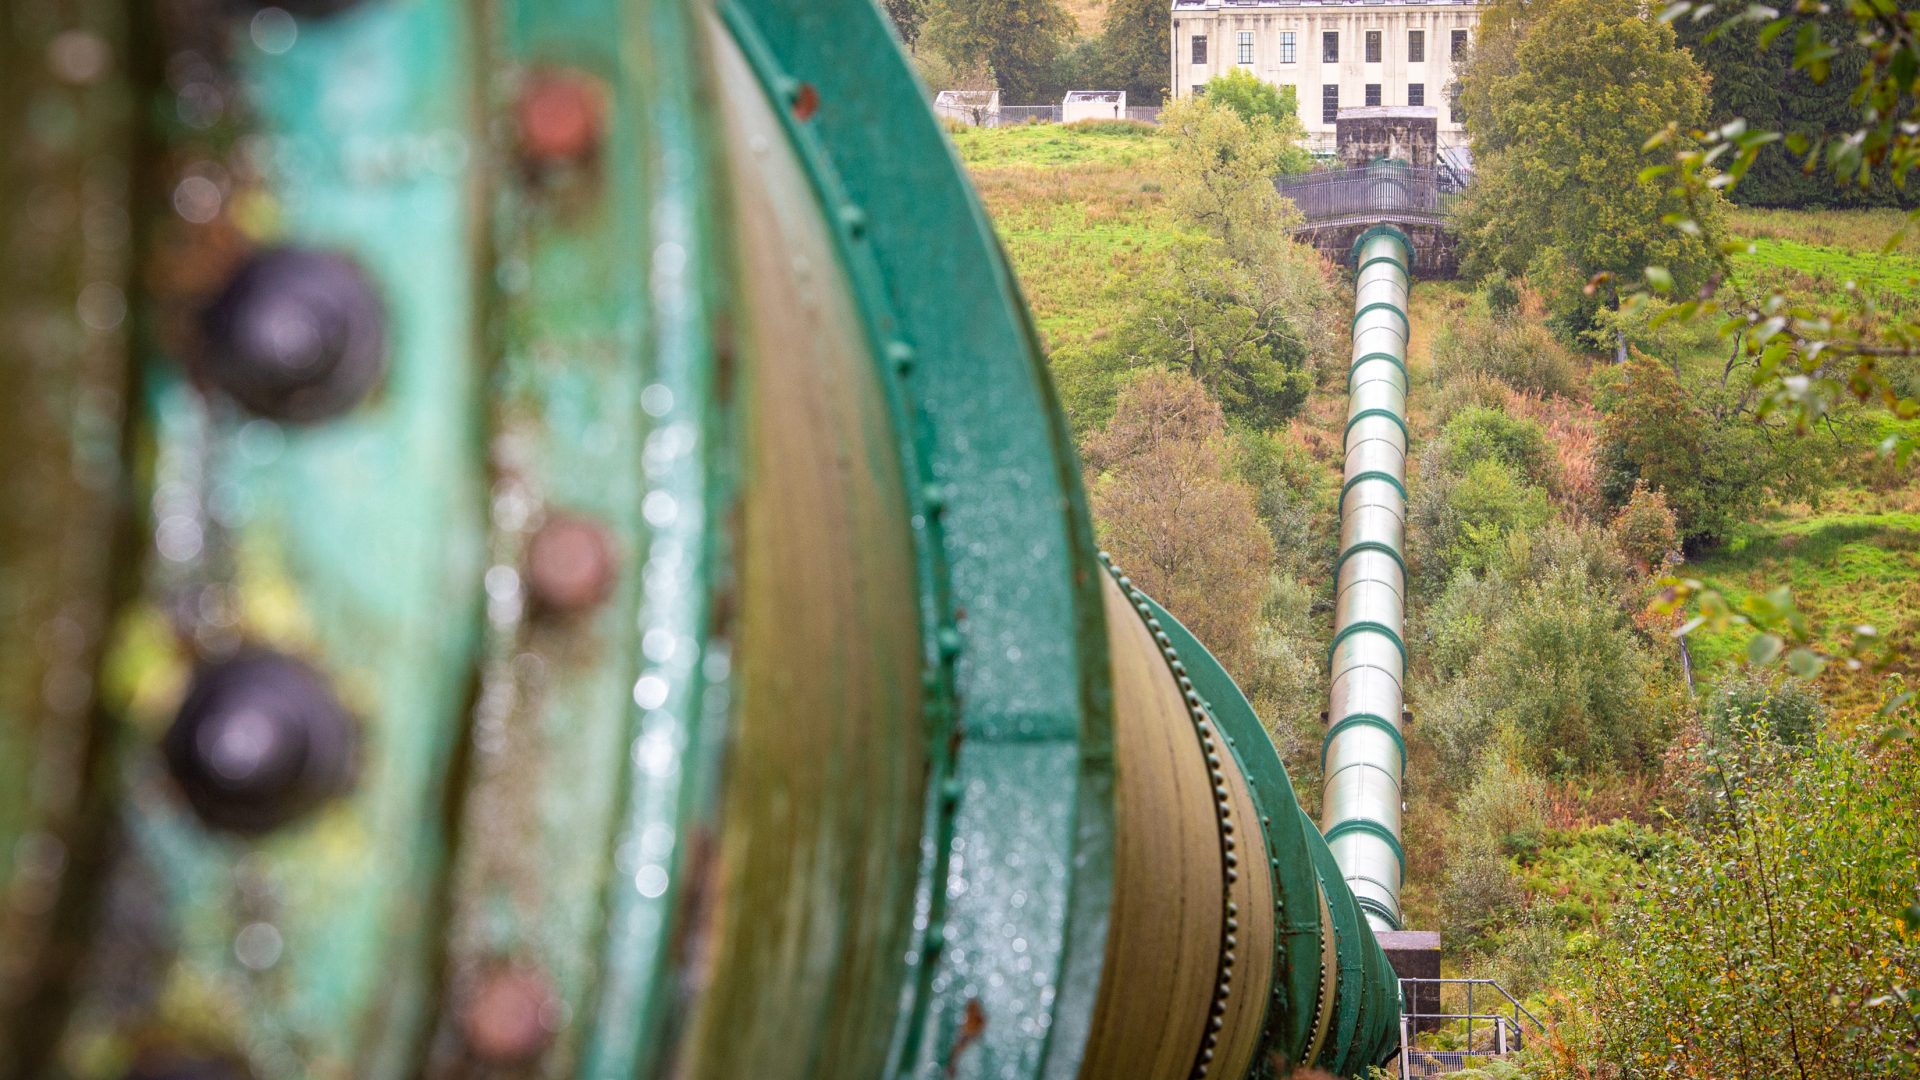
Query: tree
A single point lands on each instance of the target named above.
(1224, 165)
(1759, 86)
(1133, 49)
(1251, 96)
(1805, 354)
(908, 16)
(1560, 98)
(1211, 317)
(1020, 40)
(1169, 510)
(1709, 456)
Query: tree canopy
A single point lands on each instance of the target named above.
(1560, 99)
(1021, 41)
(1251, 96)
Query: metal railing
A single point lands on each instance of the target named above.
(1384, 188)
(1504, 1023)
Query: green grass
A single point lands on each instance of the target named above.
(1106, 142)
(1833, 266)
(1845, 568)
(1079, 208)
(1849, 230)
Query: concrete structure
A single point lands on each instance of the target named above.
(1093, 105)
(1406, 134)
(974, 108)
(1335, 53)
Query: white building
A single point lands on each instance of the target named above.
(1334, 53)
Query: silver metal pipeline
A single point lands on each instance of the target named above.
(1365, 753)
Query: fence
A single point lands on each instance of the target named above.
(1009, 115)
(1385, 188)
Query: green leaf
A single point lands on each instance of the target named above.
(1805, 663)
(1764, 648)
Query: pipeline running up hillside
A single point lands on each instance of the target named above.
(1365, 752)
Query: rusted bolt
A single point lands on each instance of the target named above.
(259, 741)
(507, 1019)
(561, 116)
(295, 335)
(806, 101)
(571, 566)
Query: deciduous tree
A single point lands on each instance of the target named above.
(1560, 99)
(1020, 40)
(1133, 48)
(1169, 509)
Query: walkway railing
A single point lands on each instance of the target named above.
(1387, 188)
(1496, 1023)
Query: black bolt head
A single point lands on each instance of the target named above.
(296, 335)
(259, 741)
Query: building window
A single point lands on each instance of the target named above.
(1199, 90)
(1373, 46)
(1246, 46)
(1416, 46)
(1416, 93)
(1373, 93)
(1459, 44)
(1329, 102)
(1286, 46)
(1199, 48)
(1330, 46)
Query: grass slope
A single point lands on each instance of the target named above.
(1079, 208)
(1845, 568)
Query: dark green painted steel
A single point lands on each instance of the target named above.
(1388, 259)
(1406, 326)
(1366, 720)
(1374, 827)
(1355, 368)
(1385, 413)
(1367, 545)
(1406, 244)
(1033, 767)
(1371, 474)
(1366, 1015)
(1353, 628)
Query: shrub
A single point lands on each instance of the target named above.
(1787, 710)
(1295, 495)
(1647, 529)
(1784, 940)
(1487, 504)
(1518, 352)
(1499, 293)
(1568, 671)
(1161, 465)
(1463, 390)
(1481, 434)
(1714, 462)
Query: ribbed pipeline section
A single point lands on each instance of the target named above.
(1364, 753)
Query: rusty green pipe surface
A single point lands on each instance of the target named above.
(553, 853)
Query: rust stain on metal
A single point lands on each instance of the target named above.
(562, 114)
(508, 1018)
(571, 565)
